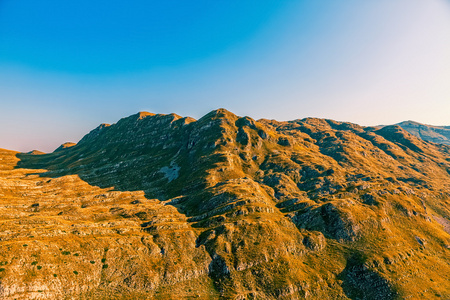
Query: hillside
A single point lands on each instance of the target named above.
(435, 134)
(226, 207)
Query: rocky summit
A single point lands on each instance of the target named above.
(226, 207)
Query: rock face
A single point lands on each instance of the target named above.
(165, 207)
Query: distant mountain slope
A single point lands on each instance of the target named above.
(435, 134)
(226, 207)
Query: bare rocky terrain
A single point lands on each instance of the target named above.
(226, 207)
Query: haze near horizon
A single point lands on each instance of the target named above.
(66, 67)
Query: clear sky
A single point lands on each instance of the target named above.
(67, 66)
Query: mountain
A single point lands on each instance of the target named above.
(226, 207)
(435, 134)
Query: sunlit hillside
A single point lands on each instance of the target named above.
(226, 207)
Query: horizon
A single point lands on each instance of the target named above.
(196, 119)
(67, 67)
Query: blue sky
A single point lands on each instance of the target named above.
(66, 66)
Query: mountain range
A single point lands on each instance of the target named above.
(435, 134)
(226, 207)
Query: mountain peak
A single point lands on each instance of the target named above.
(36, 152)
(144, 114)
(219, 113)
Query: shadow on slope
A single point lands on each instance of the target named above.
(359, 282)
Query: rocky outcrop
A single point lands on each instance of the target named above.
(360, 282)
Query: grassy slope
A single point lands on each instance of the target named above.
(260, 209)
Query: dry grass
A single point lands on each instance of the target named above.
(311, 209)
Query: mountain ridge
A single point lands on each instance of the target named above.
(431, 133)
(434, 133)
(228, 207)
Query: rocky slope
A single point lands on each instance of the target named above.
(226, 207)
(435, 134)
